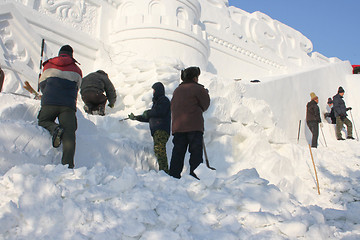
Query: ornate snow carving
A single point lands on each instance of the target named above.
(81, 14)
(13, 50)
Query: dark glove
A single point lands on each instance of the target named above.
(326, 115)
(132, 116)
(111, 105)
(146, 114)
(349, 108)
(342, 117)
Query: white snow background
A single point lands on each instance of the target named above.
(264, 186)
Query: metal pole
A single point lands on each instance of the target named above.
(323, 135)
(123, 119)
(299, 131)
(41, 61)
(357, 138)
(206, 157)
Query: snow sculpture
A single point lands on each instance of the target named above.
(151, 28)
(223, 40)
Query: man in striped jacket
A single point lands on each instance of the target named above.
(59, 84)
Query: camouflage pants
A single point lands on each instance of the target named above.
(160, 139)
(339, 125)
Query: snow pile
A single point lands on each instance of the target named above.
(52, 202)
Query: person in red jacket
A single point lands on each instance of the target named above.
(189, 101)
(59, 83)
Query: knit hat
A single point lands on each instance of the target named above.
(330, 101)
(188, 74)
(341, 90)
(313, 96)
(66, 49)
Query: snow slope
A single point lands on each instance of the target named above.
(264, 186)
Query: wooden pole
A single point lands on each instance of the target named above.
(317, 180)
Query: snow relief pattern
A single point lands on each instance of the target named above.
(80, 14)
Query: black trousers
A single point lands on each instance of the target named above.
(67, 120)
(94, 100)
(314, 128)
(181, 141)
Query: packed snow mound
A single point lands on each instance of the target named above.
(127, 204)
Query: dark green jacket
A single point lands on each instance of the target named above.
(99, 82)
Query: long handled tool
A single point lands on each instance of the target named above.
(41, 60)
(29, 88)
(123, 119)
(299, 131)
(206, 157)
(317, 180)
(321, 128)
(357, 138)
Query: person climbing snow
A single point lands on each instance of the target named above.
(159, 118)
(59, 83)
(92, 88)
(313, 118)
(189, 101)
(340, 110)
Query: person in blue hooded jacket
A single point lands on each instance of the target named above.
(159, 119)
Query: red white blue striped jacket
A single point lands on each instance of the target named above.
(60, 81)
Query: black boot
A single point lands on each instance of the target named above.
(102, 110)
(56, 137)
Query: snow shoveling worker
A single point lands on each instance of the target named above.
(92, 88)
(59, 83)
(340, 110)
(189, 101)
(159, 119)
(313, 118)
